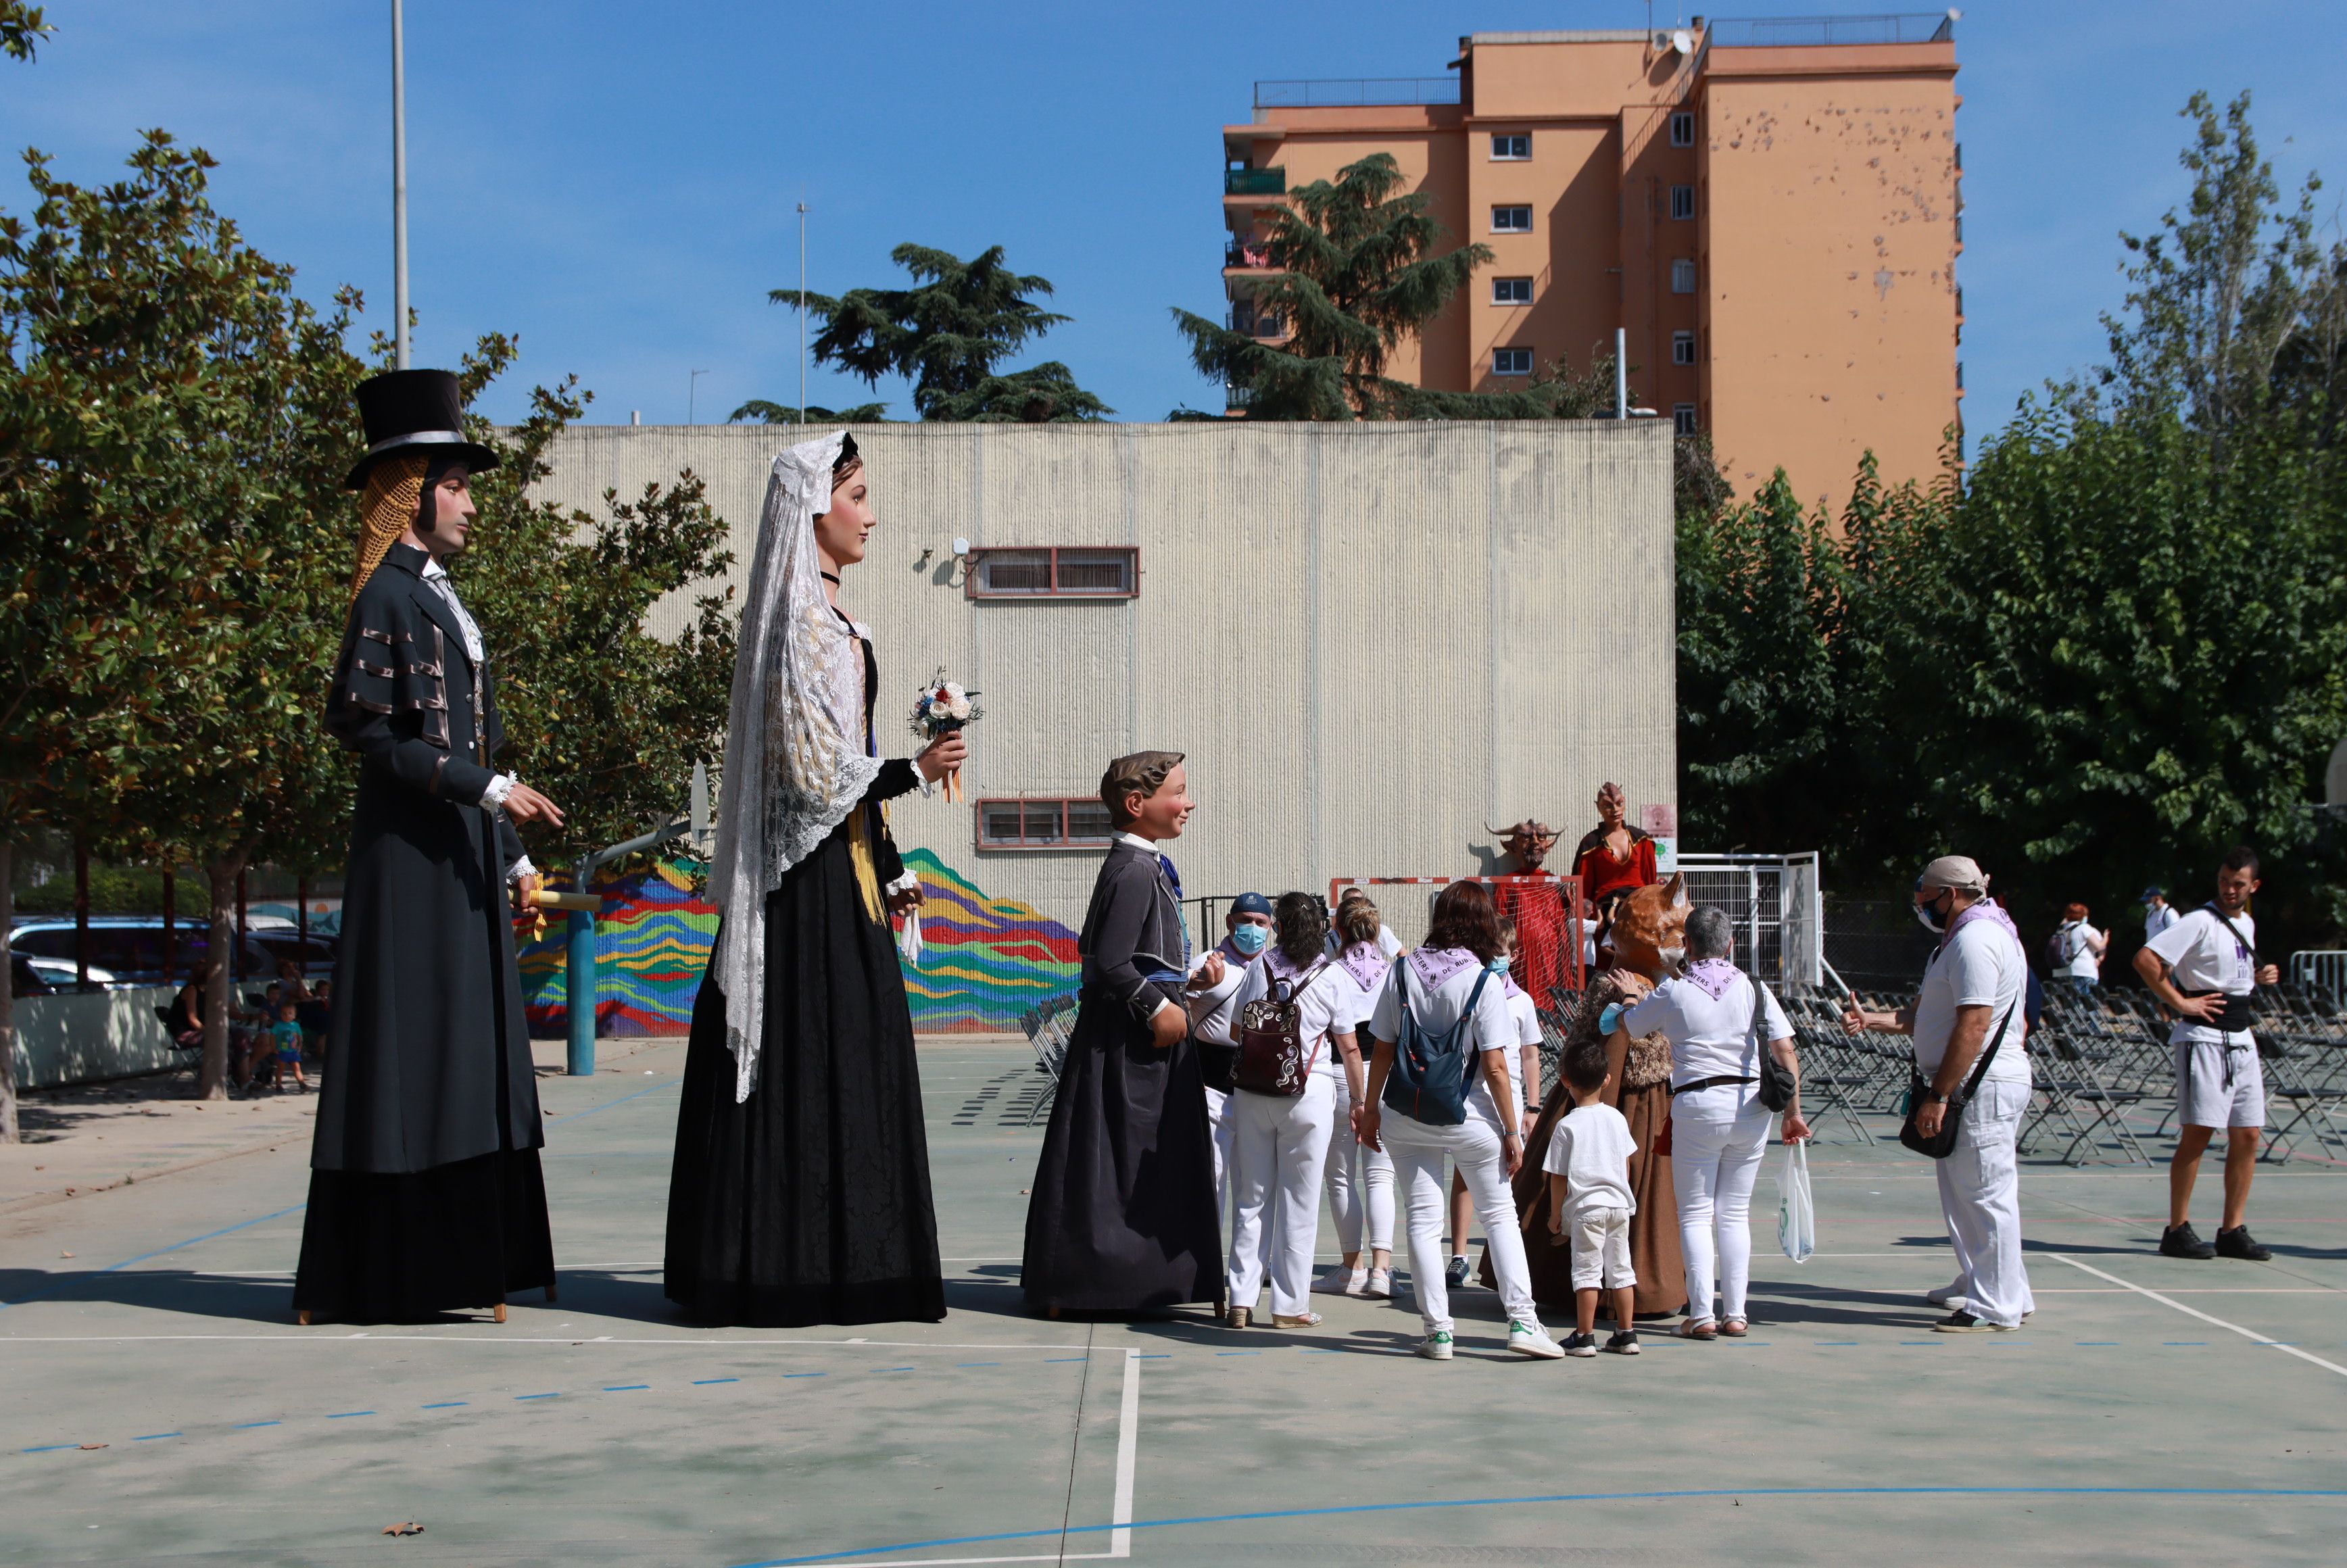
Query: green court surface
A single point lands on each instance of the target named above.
(2152, 1412)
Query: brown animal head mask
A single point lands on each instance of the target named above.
(1650, 930)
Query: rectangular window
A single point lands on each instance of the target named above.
(1682, 203)
(1047, 823)
(1514, 148)
(1682, 276)
(1511, 361)
(1683, 419)
(1511, 220)
(1682, 129)
(1088, 572)
(1683, 348)
(1512, 290)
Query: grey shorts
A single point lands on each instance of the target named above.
(2219, 1085)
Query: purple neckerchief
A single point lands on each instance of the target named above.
(1366, 964)
(1986, 909)
(1509, 988)
(1231, 955)
(1432, 965)
(1275, 962)
(1712, 976)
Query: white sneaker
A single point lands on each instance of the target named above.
(1339, 1280)
(1379, 1285)
(1436, 1347)
(1946, 1295)
(1531, 1339)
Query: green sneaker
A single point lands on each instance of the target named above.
(1436, 1347)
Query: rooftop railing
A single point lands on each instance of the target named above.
(1810, 32)
(1357, 93)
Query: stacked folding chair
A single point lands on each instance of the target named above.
(2299, 1047)
(1836, 1078)
(2072, 1095)
(1049, 1026)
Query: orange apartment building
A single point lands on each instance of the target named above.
(1770, 209)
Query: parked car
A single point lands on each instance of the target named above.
(25, 979)
(128, 949)
(315, 955)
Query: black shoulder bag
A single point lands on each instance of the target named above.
(1776, 1080)
(1942, 1143)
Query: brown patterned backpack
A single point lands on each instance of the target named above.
(1271, 1039)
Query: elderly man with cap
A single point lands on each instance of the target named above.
(1212, 997)
(1968, 1029)
(426, 1194)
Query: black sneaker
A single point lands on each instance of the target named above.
(1581, 1344)
(2238, 1243)
(1456, 1275)
(1625, 1343)
(1965, 1322)
(2181, 1241)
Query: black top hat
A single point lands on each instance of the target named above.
(416, 411)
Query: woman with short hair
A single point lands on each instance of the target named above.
(1360, 1181)
(1454, 978)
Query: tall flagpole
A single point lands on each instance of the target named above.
(802, 312)
(399, 185)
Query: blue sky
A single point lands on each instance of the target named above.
(616, 183)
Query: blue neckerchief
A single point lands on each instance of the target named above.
(1165, 864)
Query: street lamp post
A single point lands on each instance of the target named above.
(802, 312)
(398, 185)
(691, 387)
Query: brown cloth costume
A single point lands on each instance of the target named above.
(1650, 919)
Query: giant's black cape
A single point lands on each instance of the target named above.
(809, 1201)
(1122, 1213)
(425, 1190)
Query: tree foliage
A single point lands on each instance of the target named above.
(947, 334)
(761, 411)
(22, 29)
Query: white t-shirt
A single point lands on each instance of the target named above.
(2074, 937)
(2206, 956)
(1523, 1017)
(1216, 1009)
(1325, 1006)
(1980, 966)
(1437, 1007)
(1388, 944)
(1591, 1149)
(1711, 1038)
(2156, 918)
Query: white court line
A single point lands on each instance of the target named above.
(2249, 1334)
(1119, 1538)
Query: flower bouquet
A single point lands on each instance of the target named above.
(942, 708)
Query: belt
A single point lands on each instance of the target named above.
(2238, 1016)
(1708, 1083)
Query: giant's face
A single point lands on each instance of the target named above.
(1650, 930)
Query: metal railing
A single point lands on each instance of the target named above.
(1356, 92)
(2321, 966)
(1811, 32)
(1777, 907)
(1254, 182)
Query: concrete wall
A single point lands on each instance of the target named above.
(81, 1037)
(1372, 639)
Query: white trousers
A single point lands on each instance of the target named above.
(1360, 1182)
(1218, 1118)
(1980, 1193)
(1418, 1153)
(1713, 1164)
(1278, 1146)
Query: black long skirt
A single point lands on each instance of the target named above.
(379, 1248)
(808, 1201)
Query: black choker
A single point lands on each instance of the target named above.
(831, 580)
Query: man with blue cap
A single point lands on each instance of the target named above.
(2157, 915)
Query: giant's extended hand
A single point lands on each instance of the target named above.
(524, 803)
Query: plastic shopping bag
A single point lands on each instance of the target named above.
(909, 936)
(1797, 1222)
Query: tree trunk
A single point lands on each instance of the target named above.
(7, 997)
(211, 1081)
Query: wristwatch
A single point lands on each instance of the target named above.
(1933, 1097)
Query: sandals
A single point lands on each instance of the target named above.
(1735, 1328)
(1698, 1329)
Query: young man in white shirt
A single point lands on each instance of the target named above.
(2203, 968)
(1970, 1005)
(2157, 915)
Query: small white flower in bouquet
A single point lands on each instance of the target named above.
(942, 708)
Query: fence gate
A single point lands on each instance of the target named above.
(1776, 905)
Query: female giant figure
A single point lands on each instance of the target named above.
(801, 1187)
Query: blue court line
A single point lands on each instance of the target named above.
(554, 1396)
(153, 1437)
(1047, 1360)
(1835, 1342)
(446, 1405)
(2173, 1342)
(346, 1415)
(790, 1375)
(1420, 1507)
(1922, 1342)
(1151, 1356)
(623, 1388)
(246, 1426)
(48, 1448)
(957, 1366)
(892, 1369)
(63, 1280)
(699, 1382)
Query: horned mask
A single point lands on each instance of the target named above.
(1528, 841)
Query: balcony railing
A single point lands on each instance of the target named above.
(1810, 32)
(1356, 92)
(1254, 182)
(1238, 253)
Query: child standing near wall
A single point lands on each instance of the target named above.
(1590, 1202)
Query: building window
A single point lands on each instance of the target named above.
(1511, 220)
(1683, 419)
(1682, 129)
(1049, 824)
(1511, 361)
(1683, 348)
(1682, 203)
(1090, 571)
(1682, 276)
(1512, 290)
(1514, 148)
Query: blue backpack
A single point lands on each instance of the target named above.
(1433, 1072)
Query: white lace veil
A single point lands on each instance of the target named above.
(791, 774)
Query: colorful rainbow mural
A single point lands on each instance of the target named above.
(984, 961)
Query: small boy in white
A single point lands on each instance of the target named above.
(1589, 1201)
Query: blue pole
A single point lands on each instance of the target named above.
(580, 993)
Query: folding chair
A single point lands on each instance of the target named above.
(2075, 1096)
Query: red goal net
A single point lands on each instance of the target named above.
(1549, 931)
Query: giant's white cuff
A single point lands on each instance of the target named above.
(499, 788)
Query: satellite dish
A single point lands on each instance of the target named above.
(1683, 41)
